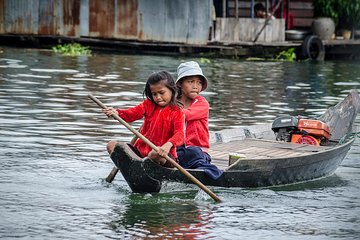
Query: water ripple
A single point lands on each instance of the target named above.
(54, 161)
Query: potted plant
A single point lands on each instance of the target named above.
(327, 17)
(349, 16)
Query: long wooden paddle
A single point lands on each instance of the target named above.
(139, 135)
(112, 175)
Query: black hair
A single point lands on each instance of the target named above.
(169, 82)
(259, 7)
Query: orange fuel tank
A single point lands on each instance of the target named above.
(314, 127)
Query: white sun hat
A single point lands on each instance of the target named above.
(191, 68)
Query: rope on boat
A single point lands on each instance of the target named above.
(349, 136)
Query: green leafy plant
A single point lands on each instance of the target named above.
(286, 55)
(72, 49)
(326, 8)
(349, 13)
(205, 60)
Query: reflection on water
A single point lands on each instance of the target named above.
(148, 216)
(265, 90)
(53, 158)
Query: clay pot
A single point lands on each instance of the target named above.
(346, 34)
(323, 27)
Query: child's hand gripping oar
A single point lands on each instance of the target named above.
(139, 135)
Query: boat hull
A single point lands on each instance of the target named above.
(132, 168)
(143, 175)
(262, 172)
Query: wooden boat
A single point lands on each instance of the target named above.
(252, 157)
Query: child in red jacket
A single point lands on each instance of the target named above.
(191, 81)
(163, 118)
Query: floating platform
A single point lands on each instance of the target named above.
(334, 49)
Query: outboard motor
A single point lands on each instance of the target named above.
(300, 130)
(283, 127)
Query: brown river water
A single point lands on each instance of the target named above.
(53, 160)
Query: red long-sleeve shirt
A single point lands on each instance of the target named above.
(196, 119)
(160, 125)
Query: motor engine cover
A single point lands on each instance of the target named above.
(284, 122)
(284, 126)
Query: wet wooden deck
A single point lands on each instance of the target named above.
(334, 49)
(259, 149)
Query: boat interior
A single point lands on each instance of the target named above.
(225, 154)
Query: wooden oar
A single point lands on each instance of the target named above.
(139, 135)
(115, 170)
(112, 174)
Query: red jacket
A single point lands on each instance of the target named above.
(196, 119)
(160, 125)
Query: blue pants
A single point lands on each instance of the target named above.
(193, 157)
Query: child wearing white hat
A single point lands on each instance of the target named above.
(190, 82)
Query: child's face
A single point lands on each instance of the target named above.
(260, 14)
(191, 86)
(161, 94)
